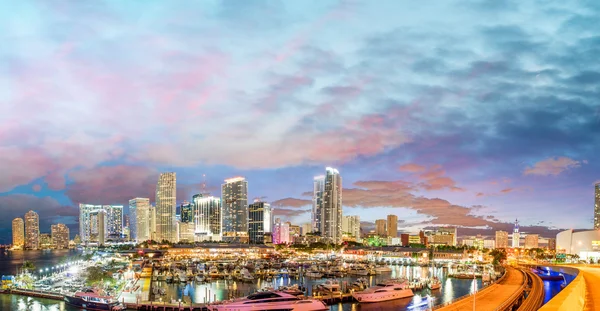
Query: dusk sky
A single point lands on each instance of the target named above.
(462, 113)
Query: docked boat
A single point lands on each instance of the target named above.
(434, 284)
(390, 290)
(314, 273)
(246, 276)
(383, 269)
(213, 272)
(358, 271)
(270, 300)
(89, 299)
(331, 286)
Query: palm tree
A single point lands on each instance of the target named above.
(28, 266)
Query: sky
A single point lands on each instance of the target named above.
(462, 113)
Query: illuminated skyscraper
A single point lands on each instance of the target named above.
(516, 237)
(351, 226)
(234, 195)
(501, 239)
(166, 206)
(98, 226)
(259, 223)
(152, 225)
(597, 207)
(139, 219)
(318, 189)
(392, 226)
(32, 230)
(281, 232)
(380, 227)
(331, 207)
(60, 236)
(84, 221)
(114, 221)
(207, 218)
(186, 211)
(18, 233)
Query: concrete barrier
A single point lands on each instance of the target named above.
(571, 298)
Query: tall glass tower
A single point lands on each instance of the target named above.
(166, 206)
(318, 189)
(234, 197)
(328, 205)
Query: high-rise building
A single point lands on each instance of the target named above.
(597, 207)
(207, 218)
(85, 226)
(294, 231)
(392, 226)
(152, 226)
(186, 232)
(18, 233)
(331, 207)
(501, 239)
(447, 231)
(318, 190)
(516, 237)
(306, 228)
(166, 206)
(380, 227)
(186, 211)
(60, 236)
(281, 232)
(114, 221)
(139, 219)
(45, 241)
(351, 226)
(98, 226)
(259, 222)
(32, 230)
(234, 195)
(531, 241)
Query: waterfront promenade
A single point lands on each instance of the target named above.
(493, 296)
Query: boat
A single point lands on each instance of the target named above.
(389, 290)
(358, 271)
(246, 276)
(199, 278)
(89, 299)
(434, 284)
(425, 301)
(331, 286)
(314, 273)
(270, 300)
(213, 272)
(382, 269)
(169, 278)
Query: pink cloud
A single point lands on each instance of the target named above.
(552, 166)
(291, 202)
(412, 168)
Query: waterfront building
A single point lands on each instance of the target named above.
(449, 231)
(259, 222)
(531, 241)
(380, 227)
(186, 211)
(551, 244)
(166, 206)
(318, 190)
(187, 232)
(98, 227)
(404, 239)
(441, 238)
(392, 226)
(294, 230)
(207, 218)
(140, 219)
(281, 232)
(489, 244)
(18, 233)
(516, 237)
(331, 207)
(234, 197)
(114, 221)
(84, 221)
(351, 226)
(501, 239)
(45, 241)
(597, 206)
(60, 236)
(585, 243)
(306, 228)
(32, 230)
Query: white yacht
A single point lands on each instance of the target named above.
(382, 269)
(270, 300)
(331, 286)
(434, 284)
(358, 271)
(390, 290)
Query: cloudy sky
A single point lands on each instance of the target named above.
(464, 113)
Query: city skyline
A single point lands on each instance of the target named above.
(430, 114)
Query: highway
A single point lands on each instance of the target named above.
(591, 275)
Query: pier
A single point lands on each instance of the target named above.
(34, 293)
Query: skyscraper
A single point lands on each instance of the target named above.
(139, 219)
(60, 236)
(207, 218)
(380, 227)
(166, 192)
(32, 230)
(501, 239)
(152, 225)
(98, 226)
(516, 237)
(281, 232)
(351, 226)
(331, 207)
(234, 194)
(18, 233)
(318, 190)
(392, 226)
(85, 211)
(114, 221)
(597, 207)
(259, 223)
(186, 211)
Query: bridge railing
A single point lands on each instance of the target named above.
(469, 295)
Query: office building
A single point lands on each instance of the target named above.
(60, 236)
(139, 219)
(152, 227)
(331, 207)
(234, 197)
(98, 226)
(501, 239)
(45, 241)
(114, 221)
(294, 231)
(531, 241)
(449, 231)
(259, 223)
(381, 227)
(351, 226)
(32, 230)
(166, 206)
(186, 210)
(281, 232)
(18, 233)
(306, 228)
(551, 244)
(516, 237)
(392, 226)
(597, 206)
(318, 190)
(187, 232)
(208, 218)
(85, 211)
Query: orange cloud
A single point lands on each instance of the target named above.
(552, 166)
(412, 168)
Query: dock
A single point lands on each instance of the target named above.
(34, 293)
